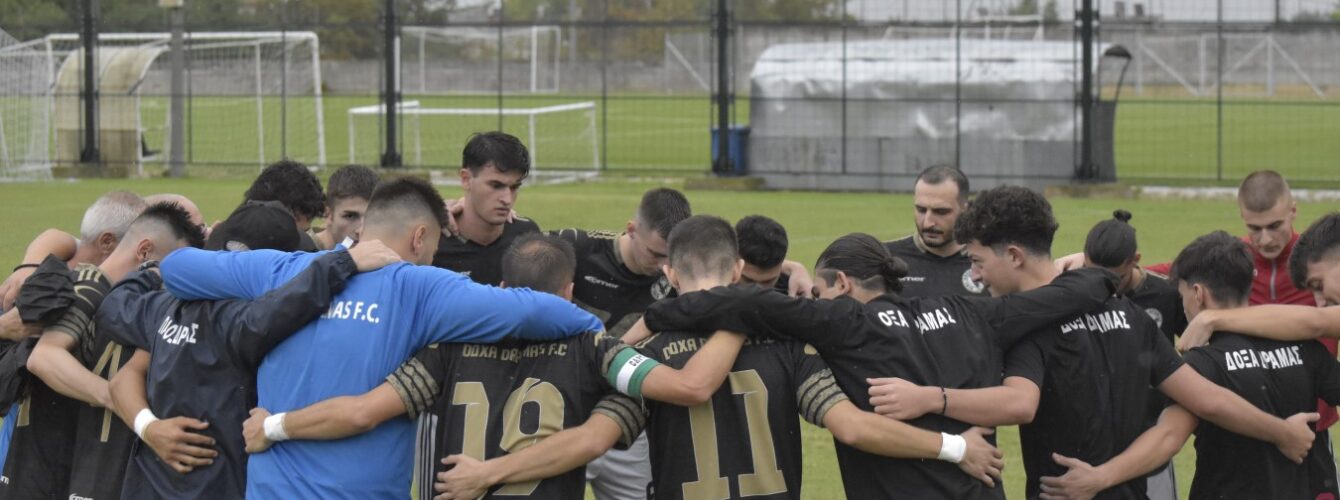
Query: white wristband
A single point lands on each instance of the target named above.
(274, 428)
(142, 421)
(952, 448)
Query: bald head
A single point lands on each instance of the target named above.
(1263, 190)
(185, 203)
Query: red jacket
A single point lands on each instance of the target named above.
(1272, 285)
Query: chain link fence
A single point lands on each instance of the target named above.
(867, 92)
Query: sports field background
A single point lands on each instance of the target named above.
(812, 221)
(1157, 139)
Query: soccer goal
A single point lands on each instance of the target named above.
(562, 138)
(253, 97)
(457, 59)
(25, 125)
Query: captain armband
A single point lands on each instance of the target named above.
(628, 371)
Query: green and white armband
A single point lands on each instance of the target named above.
(628, 370)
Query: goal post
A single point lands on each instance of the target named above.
(464, 59)
(25, 120)
(561, 137)
(253, 97)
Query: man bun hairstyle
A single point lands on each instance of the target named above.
(502, 150)
(1320, 241)
(292, 185)
(763, 242)
(661, 210)
(702, 246)
(864, 259)
(1008, 215)
(1262, 190)
(1219, 262)
(401, 200)
(539, 262)
(1112, 242)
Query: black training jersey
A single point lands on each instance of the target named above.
(745, 441)
(48, 421)
(1160, 300)
(482, 263)
(930, 275)
(101, 441)
(605, 287)
(1280, 378)
(1095, 372)
(204, 360)
(38, 463)
(948, 341)
(487, 400)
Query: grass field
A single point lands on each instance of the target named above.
(1157, 139)
(812, 220)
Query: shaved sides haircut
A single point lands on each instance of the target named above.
(703, 245)
(402, 201)
(1262, 190)
(167, 220)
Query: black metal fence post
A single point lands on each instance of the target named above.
(721, 165)
(1087, 18)
(89, 37)
(390, 92)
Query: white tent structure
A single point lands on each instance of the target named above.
(1004, 110)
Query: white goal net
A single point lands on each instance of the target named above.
(252, 97)
(25, 82)
(466, 60)
(562, 138)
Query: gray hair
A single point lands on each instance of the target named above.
(111, 213)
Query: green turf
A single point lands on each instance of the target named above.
(812, 220)
(1157, 140)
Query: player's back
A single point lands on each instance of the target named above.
(501, 398)
(1280, 378)
(745, 441)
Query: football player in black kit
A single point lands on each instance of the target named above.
(1214, 273)
(1111, 244)
(864, 329)
(936, 264)
(1087, 379)
(493, 167)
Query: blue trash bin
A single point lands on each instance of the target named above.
(738, 135)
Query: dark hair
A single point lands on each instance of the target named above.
(1008, 215)
(291, 184)
(1111, 243)
(1261, 190)
(351, 181)
(401, 200)
(539, 262)
(503, 150)
(703, 244)
(661, 209)
(1220, 262)
(174, 218)
(937, 174)
(864, 259)
(762, 241)
(1321, 240)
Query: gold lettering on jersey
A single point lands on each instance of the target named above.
(692, 344)
(479, 351)
(1274, 359)
(1102, 322)
(551, 349)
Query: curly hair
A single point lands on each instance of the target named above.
(1320, 241)
(292, 185)
(1008, 215)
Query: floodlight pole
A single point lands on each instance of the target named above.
(721, 165)
(1086, 30)
(390, 96)
(89, 36)
(177, 112)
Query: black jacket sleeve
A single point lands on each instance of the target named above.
(255, 327)
(756, 310)
(1072, 293)
(127, 314)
